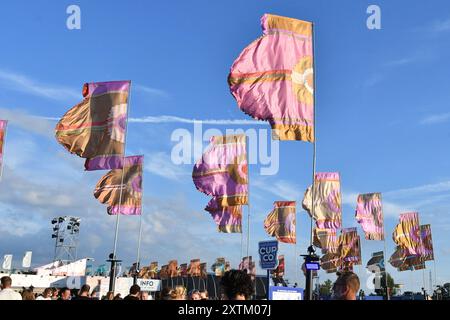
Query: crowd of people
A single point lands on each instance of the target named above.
(235, 285)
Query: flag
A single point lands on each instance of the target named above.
(222, 171)
(153, 269)
(108, 189)
(427, 242)
(248, 265)
(219, 267)
(203, 272)
(330, 262)
(183, 270)
(326, 239)
(278, 272)
(95, 128)
(172, 269)
(272, 79)
(194, 268)
(369, 214)
(164, 272)
(280, 222)
(350, 247)
(377, 260)
(26, 261)
(3, 125)
(407, 233)
(228, 219)
(7, 262)
(327, 200)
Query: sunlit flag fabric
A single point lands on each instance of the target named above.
(427, 242)
(350, 247)
(280, 222)
(183, 270)
(164, 272)
(249, 265)
(330, 262)
(326, 239)
(7, 262)
(376, 261)
(327, 200)
(278, 272)
(222, 174)
(109, 187)
(369, 214)
(194, 268)
(95, 128)
(272, 79)
(407, 233)
(203, 270)
(3, 124)
(228, 219)
(219, 267)
(26, 261)
(172, 269)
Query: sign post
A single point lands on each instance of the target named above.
(268, 258)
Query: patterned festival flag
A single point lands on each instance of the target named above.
(369, 214)
(153, 269)
(427, 242)
(203, 271)
(172, 269)
(350, 247)
(272, 79)
(109, 188)
(407, 233)
(326, 239)
(278, 272)
(183, 270)
(3, 125)
(249, 265)
(222, 174)
(330, 262)
(219, 267)
(164, 272)
(228, 219)
(194, 268)
(95, 128)
(280, 222)
(327, 200)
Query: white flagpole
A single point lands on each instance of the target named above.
(138, 255)
(248, 196)
(112, 280)
(384, 253)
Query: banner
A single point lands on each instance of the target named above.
(7, 262)
(327, 200)
(273, 78)
(95, 128)
(26, 261)
(369, 214)
(280, 222)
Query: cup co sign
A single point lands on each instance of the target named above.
(268, 254)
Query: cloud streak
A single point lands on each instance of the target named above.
(435, 119)
(18, 82)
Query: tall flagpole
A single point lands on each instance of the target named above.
(248, 195)
(112, 257)
(384, 254)
(138, 255)
(309, 273)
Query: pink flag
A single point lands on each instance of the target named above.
(369, 214)
(272, 79)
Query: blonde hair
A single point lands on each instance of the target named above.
(179, 293)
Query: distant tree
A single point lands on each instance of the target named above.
(325, 288)
(390, 284)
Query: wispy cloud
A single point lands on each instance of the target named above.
(441, 25)
(435, 118)
(400, 62)
(28, 122)
(160, 164)
(283, 189)
(18, 82)
(420, 190)
(151, 91)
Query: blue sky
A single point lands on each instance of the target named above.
(382, 120)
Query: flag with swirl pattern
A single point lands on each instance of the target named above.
(95, 128)
(350, 248)
(109, 189)
(272, 79)
(222, 174)
(407, 233)
(327, 200)
(369, 214)
(427, 242)
(280, 222)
